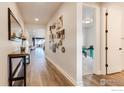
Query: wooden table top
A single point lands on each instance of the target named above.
(18, 54)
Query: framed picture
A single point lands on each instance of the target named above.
(60, 42)
(62, 33)
(57, 45)
(50, 45)
(63, 49)
(54, 48)
(49, 28)
(58, 35)
(59, 23)
(53, 26)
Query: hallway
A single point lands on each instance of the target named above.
(26, 29)
(39, 73)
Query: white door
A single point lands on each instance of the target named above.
(114, 40)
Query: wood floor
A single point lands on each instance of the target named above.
(39, 73)
(116, 79)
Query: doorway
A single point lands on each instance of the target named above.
(38, 42)
(89, 30)
(91, 39)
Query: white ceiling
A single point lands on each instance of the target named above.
(89, 12)
(43, 10)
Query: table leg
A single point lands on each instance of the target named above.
(29, 58)
(10, 71)
(24, 70)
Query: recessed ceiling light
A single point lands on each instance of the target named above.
(87, 20)
(36, 19)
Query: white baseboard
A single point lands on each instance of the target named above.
(63, 72)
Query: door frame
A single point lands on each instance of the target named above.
(97, 56)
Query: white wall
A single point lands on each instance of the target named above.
(79, 40)
(122, 38)
(84, 34)
(6, 46)
(65, 61)
(35, 30)
(89, 36)
(89, 29)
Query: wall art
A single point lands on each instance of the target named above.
(60, 42)
(57, 35)
(59, 23)
(57, 45)
(62, 34)
(54, 48)
(63, 49)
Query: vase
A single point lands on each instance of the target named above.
(22, 49)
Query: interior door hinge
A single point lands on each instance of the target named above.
(106, 65)
(106, 31)
(106, 48)
(106, 14)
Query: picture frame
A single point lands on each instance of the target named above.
(60, 42)
(59, 23)
(54, 48)
(57, 34)
(63, 34)
(63, 49)
(14, 27)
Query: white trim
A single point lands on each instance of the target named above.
(63, 72)
(79, 44)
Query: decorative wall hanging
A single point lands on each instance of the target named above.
(63, 34)
(50, 45)
(54, 48)
(53, 26)
(57, 35)
(50, 28)
(59, 23)
(63, 49)
(60, 43)
(57, 45)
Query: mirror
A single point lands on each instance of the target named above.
(14, 28)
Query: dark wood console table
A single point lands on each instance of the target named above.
(23, 60)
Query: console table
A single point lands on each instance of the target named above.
(23, 56)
